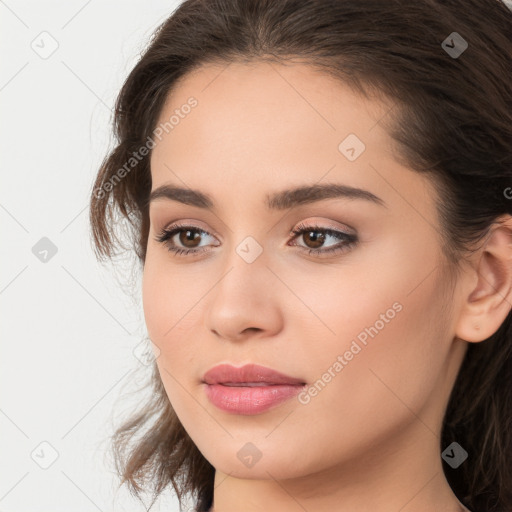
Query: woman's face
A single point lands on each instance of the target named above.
(362, 320)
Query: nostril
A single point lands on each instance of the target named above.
(257, 329)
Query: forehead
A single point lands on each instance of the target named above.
(262, 126)
(241, 99)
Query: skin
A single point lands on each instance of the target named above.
(370, 439)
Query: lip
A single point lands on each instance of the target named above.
(264, 388)
(249, 373)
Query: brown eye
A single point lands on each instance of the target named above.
(315, 240)
(315, 237)
(189, 238)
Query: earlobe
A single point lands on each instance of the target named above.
(489, 301)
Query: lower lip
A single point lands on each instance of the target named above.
(249, 400)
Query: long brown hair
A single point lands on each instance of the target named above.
(453, 119)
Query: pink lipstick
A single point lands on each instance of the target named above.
(250, 389)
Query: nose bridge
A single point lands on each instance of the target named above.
(247, 236)
(247, 263)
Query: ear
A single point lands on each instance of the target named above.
(487, 304)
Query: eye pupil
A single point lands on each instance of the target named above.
(318, 240)
(189, 235)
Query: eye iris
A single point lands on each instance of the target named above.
(318, 239)
(185, 237)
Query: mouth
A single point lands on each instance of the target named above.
(250, 389)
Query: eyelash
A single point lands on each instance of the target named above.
(350, 240)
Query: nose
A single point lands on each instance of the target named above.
(243, 304)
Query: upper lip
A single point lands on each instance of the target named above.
(249, 373)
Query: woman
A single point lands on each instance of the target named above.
(319, 195)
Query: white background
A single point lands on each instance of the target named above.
(68, 329)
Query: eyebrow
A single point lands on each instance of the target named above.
(281, 200)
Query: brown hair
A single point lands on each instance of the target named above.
(452, 119)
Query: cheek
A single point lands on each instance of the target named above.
(387, 356)
(384, 383)
(169, 296)
(383, 341)
(155, 299)
(172, 303)
(171, 310)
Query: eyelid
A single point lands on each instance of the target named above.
(189, 223)
(324, 225)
